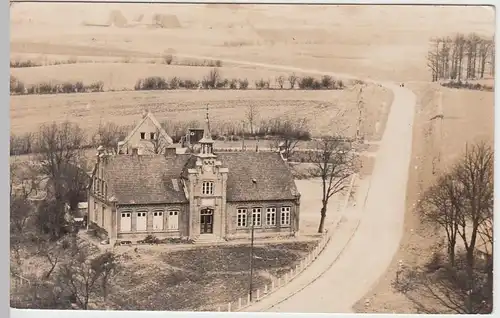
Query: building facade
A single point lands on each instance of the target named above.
(198, 196)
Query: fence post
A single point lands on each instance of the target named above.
(248, 298)
(286, 280)
(265, 289)
(239, 303)
(218, 308)
(229, 307)
(272, 285)
(291, 273)
(258, 294)
(296, 268)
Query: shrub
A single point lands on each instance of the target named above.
(79, 87)
(28, 63)
(96, 87)
(233, 83)
(16, 86)
(151, 83)
(174, 83)
(68, 88)
(262, 84)
(190, 84)
(327, 82)
(218, 63)
(168, 59)
(340, 84)
(45, 88)
(243, 83)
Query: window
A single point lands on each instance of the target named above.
(173, 220)
(158, 221)
(126, 222)
(143, 135)
(103, 208)
(141, 222)
(208, 187)
(285, 216)
(242, 218)
(271, 216)
(152, 136)
(256, 216)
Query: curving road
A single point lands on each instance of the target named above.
(362, 248)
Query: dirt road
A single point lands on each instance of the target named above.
(363, 247)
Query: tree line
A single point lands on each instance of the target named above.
(458, 279)
(461, 57)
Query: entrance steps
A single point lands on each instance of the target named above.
(207, 239)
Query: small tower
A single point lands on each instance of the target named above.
(206, 143)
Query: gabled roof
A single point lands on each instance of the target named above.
(274, 180)
(145, 179)
(150, 179)
(155, 122)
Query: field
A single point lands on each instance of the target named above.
(320, 108)
(468, 118)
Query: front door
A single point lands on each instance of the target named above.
(206, 221)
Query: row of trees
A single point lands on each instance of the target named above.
(462, 57)
(214, 80)
(460, 205)
(75, 273)
(17, 87)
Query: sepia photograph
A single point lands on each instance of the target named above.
(230, 157)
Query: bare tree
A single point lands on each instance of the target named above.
(334, 162)
(293, 80)
(158, 143)
(441, 206)
(109, 134)
(461, 202)
(61, 160)
(287, 133)
(251, 114)
(280, 80)
(212, 79)
(87, 277)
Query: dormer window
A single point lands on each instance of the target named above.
(143, 135)
(152, 136)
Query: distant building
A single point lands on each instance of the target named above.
(203, 196)
(148, 137)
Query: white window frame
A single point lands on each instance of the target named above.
(171, 216)
(158, 215)
(242, 217)
(141, 214)
(128, 215)
(271, 216)
(285, 216)
(256, 221)
(207, 187)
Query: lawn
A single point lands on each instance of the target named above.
(199, 278)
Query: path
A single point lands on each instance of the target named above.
(361, 250)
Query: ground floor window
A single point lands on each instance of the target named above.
(173, 220)
(141, 222)
(242, 218)
(285, 216)
(158, 220)
(126, 222)
(271, 216)
(256, 216)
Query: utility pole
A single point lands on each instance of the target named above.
(251, 249)
(360, 108)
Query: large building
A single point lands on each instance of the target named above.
(199, 195)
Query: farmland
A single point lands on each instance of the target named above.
(320, 108)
